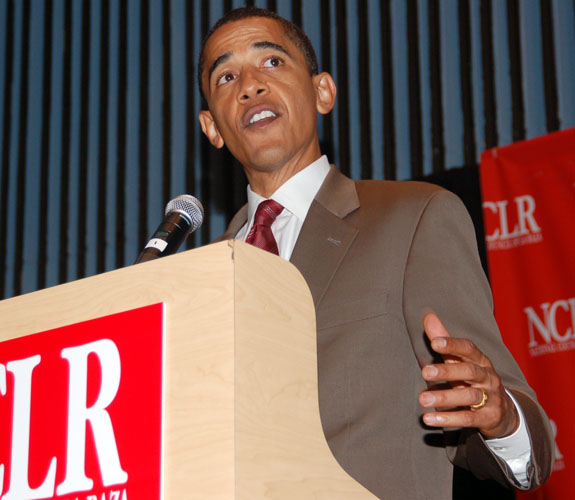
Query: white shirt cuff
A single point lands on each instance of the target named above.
(515, 449)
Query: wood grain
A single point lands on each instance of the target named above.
(241, 403)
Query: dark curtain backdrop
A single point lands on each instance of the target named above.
(98, 110)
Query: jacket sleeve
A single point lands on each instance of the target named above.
(443, 274)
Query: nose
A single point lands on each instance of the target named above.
(252, 85)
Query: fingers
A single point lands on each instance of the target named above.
(451, 348)
(455, 408)
(497, 418)
(470, 373)
(463, 349)
(454, 419)
(454, 398)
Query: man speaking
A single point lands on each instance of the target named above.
(413, 376)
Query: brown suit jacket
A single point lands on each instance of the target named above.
(377, 255)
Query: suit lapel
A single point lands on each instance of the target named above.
(326, 237)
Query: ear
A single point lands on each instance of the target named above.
(210, 129)
(325, 92)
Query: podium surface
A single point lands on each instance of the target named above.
(240, 393)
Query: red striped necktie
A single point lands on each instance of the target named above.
(261, 234)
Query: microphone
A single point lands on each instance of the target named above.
(183, 215)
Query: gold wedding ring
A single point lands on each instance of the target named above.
(481, 403)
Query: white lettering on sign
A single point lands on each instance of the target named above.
(558, 454)
(112, 495)
(78, 417)
(525, 231)
(546, 325)
(19, 486)
(559, 461)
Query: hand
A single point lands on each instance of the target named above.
(468, 371)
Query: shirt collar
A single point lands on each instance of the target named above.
(298, 192)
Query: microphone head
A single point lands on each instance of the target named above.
(189, 207)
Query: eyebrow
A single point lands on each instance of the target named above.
(258, 46)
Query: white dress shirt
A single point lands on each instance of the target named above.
(296, 196)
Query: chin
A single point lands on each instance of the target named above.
(268, 160)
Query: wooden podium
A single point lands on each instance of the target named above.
(241, 414)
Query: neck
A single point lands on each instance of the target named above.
(265, 182)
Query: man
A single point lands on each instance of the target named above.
(384, 262)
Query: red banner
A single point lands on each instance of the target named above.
(529, 212)
(81, 410)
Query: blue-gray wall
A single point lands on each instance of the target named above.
(98, 108)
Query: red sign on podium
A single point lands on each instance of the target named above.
(81, 410)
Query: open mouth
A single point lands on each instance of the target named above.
(266, 113)
(260, 115)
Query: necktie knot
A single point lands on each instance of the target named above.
(267, 212)
(261, 234)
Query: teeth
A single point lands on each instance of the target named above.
(260, 116)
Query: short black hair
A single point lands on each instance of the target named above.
(293, 31)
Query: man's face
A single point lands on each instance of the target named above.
(262, 101)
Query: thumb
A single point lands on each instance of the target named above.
(434, 327)
(436, 333)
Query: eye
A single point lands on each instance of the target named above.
(225, 78)
(273, 62)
